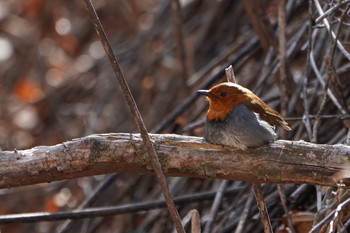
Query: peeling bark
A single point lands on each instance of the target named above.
(279, 162)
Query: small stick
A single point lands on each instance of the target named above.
(215, 207)
(282, 194)
(195, 222)
(230, 75)
(180, 44)
(321, 81)
(136, 115)
(333, 35)
(306, 120)
(110, 210)
(331, 10)
(264, 215)
(282, 56)
(345, 226)
(329, 74)
(347, 141)
(297, 192)
(245, 213)
(328, 218)
(90, 199)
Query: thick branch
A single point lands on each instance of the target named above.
(280, 162)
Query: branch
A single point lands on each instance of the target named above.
(282, 55)
(280, 162)
(331, 11)
(264, 215)
(135, 114)
(326, 23)
(215, 206)
(261, 24)
(306, 118)
(330, 72)
(110, 210)
(181, 56)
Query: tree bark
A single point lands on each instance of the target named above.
(279, 162)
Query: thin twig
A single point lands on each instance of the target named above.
(91, 198)
(338, 216)
(231, 78)
(345, 226)
(282, 56)
(105, 211)
(326, 23)
(319, 197)
(282, 194)
(329, 74)
(264, 215)
(334, 221)
(230, 75)
(347, 140)
(323, 208)
(329, 216)
(297, 192)
(244, 214)
(320, 79)
(328, 116)
(136, 115)
(306, 120)
(211, 65)
(180, 44)
(261, 24)
(195, 222)
(331, 10)
(215, 206)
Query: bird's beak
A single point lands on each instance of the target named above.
(206, 92)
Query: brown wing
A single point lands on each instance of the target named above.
(266, 113)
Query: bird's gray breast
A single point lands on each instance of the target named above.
(241, 128)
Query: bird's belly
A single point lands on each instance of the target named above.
(241, 129)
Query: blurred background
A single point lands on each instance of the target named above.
(57, 84)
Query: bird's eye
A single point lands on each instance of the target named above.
(223, 94)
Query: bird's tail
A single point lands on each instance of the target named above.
(266, 113)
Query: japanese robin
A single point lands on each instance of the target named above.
(238, 118)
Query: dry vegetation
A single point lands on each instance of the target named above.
(57, 84)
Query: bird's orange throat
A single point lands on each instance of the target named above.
(218, 112)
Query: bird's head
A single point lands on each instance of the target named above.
(223, 98)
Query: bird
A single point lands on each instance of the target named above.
(238, 118)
